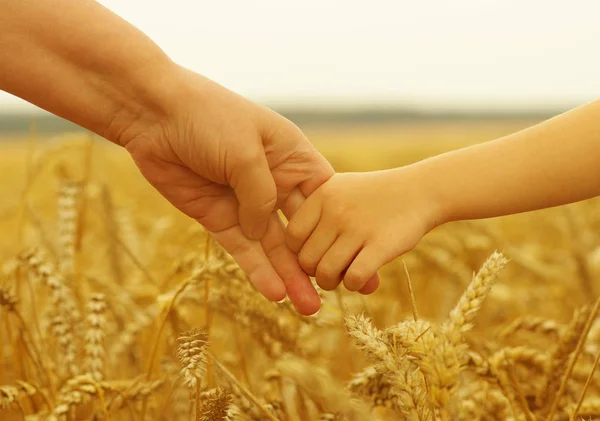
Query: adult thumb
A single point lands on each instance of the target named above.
(256, 193)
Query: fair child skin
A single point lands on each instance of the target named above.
(357, 222)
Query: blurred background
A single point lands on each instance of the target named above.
(374, 84)
(432, 73)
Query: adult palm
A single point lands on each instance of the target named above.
(229, 164)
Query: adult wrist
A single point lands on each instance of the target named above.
(144, 103)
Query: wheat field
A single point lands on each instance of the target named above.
(113, 306)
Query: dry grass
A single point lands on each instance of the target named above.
(113, 306)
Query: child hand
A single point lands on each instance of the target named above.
(356, 222)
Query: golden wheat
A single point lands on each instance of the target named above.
(114, 306)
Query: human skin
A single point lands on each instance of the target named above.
(356, 222)
(216, 156)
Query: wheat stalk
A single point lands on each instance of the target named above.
(94, 336)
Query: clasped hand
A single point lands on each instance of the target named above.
(231, 164)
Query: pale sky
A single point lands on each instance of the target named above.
(442, 54)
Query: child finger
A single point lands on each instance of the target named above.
(364, 266)
(371, 285)
(336, 260)
(302, 224)
(315, 248)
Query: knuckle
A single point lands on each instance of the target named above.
(269, 202)
(294, 230)
(355, 277)
(275, 251)
(377, 242)
(329, 195)
(307, 262)
(195, 207)
(248, 157)
(326, 273)
(339, 210)
(240, 247)
(294, 241)
(326, 285)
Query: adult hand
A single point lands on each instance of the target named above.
(229, 164)
(219, 158)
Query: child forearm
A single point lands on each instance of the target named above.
(553, 163)
(80, 61)
(357, 222)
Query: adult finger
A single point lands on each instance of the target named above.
(300, 290)
(336, 260)
(251, 258)
(295, 156)
(256, 192)
(292, 203)
(320, 171)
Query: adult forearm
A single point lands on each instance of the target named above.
(553, 163)
(80, 61)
